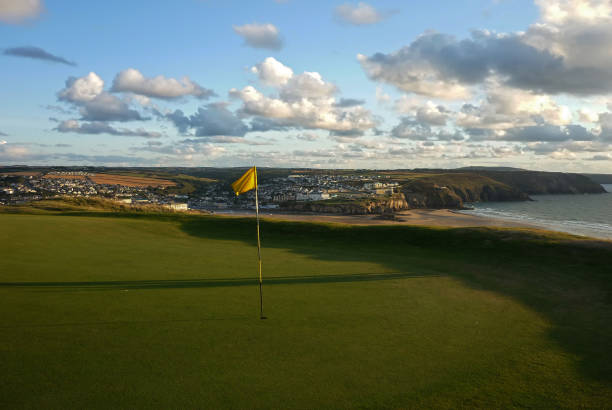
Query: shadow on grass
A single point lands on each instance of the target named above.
(568, 281)
(213, 283)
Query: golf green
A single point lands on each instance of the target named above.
(112, 311)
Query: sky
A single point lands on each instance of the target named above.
(306, 83)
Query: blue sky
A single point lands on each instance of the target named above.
(437, 84)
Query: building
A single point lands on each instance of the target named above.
(177, 206)
(312, 196)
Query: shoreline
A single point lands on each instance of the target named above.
(414, 217)
(439, 218)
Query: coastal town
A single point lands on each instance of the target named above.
(22, 187)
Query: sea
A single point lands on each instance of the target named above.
(586, 215)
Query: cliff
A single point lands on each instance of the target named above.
(396, 202)
(455, 189)
(541, 183)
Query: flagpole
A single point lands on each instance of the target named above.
(261, 316)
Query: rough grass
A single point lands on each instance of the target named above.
(125, 310)
(71, 205)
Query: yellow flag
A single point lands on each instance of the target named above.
(246, 182)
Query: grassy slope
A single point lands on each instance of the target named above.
(162, 311)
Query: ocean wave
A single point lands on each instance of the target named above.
(573, 226)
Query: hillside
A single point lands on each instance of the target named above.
(600, 178)
(423, 188)
(453, 190)
(541, 183)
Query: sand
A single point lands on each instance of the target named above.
(419, 217)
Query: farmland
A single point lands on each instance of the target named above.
(115, 309)
(20, 174)
(132, 181)
(63, 176)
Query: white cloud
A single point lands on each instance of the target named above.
(563, 11)
(359, 14)
(304, 100)
(260, 35)
(82, 89)
(586, 115)
(17, 11)
(87, 93)
(563, 154)
(272, 72)
(132, 80)
(505, 107)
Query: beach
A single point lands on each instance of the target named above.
(418, 217)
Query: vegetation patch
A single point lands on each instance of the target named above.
(134, 181)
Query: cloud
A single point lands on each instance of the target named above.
(601, 157)
(107, 107)
(119, 160)
(132, 80)
(37, 54)
(318, 153)
(547, 132)
(566, 51)
(413, 129)
(83, 89)
(358, 15)
(13, 152)
(302, 100)
(586, 115)
(87, 93)
(210, 120)
(56, 108)
(224, 139)
(2, 134)
(185, 150)
(505, 107)
(307, 136)
(426, 112)
(548, 147)
(17, 11)
(262, 124)
(349, 102)
(20, 154)
(103, 128)
(260, 35)
(272, 72)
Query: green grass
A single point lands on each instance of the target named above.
(122, 310)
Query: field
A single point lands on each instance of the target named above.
(128, 180)
(63, 176)
(20, 174)
(119, 310)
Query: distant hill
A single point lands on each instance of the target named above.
(600, 178)
(476, 168)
